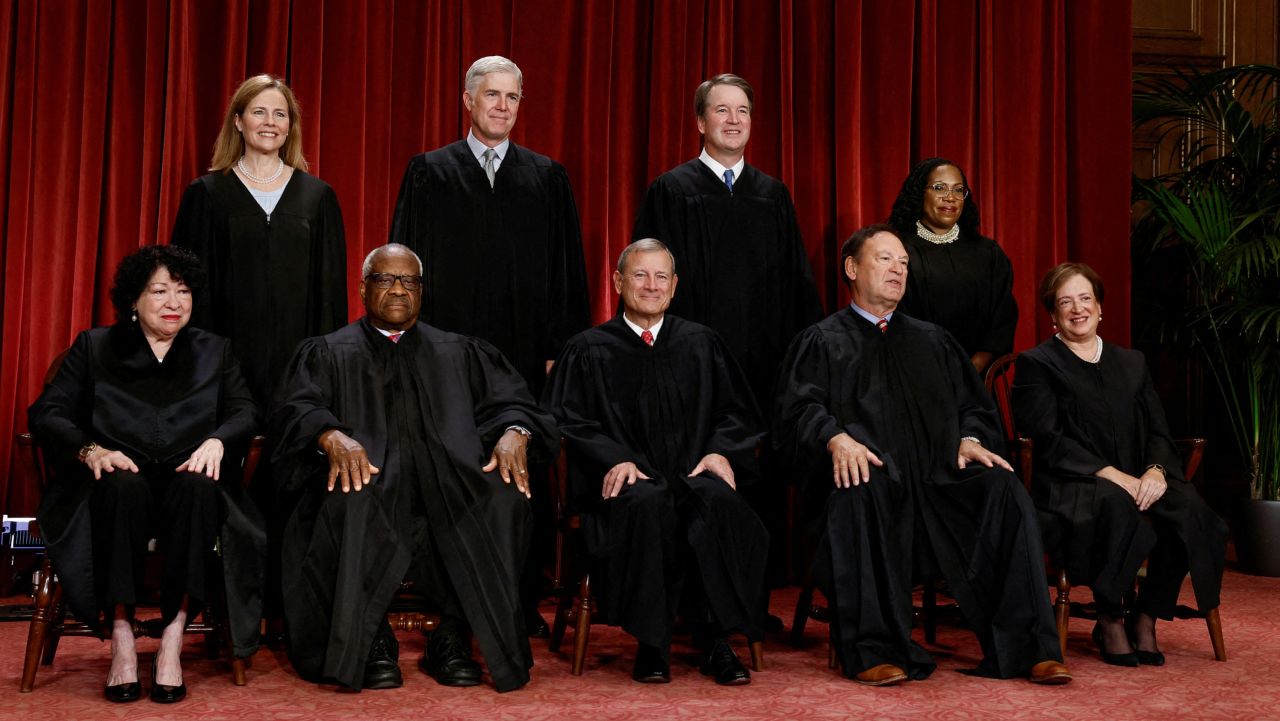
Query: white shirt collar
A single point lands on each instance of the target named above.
(638, 330)
(871, 317)
(719, 169)
(478, 148)
(387, 333)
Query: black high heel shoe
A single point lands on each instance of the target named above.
(165, 694)
(1129, 660)
(123, 692)
(1146, 658)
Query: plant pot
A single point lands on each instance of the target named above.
(1255, 525)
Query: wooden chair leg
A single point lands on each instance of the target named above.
(58, 614)
(561, 620)
(1062, 609)
(929, 610)
(583, 631)
(757, 656)
(801, 617)
(38, 632)
(1214, 623)
(832, 662)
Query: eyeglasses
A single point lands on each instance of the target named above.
(383, 281)
(944, 191)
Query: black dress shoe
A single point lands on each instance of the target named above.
(448, 658)
(723, 665)
(123, 692)
(165, 694)
(1129, 660)
(382, 668)
(650, 666)
(536, 626)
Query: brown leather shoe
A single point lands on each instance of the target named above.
(1050, 673)
(886, 674)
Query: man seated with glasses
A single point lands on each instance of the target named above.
(407, 449)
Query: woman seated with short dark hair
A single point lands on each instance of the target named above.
(1107, 472)
(145, 424)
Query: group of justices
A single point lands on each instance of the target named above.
(412, 443)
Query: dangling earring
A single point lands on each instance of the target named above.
(134, 317)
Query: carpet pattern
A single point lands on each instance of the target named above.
(796, 684)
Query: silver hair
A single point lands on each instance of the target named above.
(646, 245)
(491, 64)
(367, 267)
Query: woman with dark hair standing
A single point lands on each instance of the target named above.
(270, 234)
(959, 279)
(145, 424)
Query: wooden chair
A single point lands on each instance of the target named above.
(49, 622)
(999, 382)
(577, 607)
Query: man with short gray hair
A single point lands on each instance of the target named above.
(498, 229)
(661, 434)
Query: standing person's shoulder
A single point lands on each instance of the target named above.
(683, 179)
(764, 184)
(454, 153)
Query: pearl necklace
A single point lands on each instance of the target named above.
(260, 181)
(936, 238)
(1097, 356)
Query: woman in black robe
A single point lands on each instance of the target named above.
(270, 235)
(1107, 477)
(272, 239)
(145, 424)
(959, 279)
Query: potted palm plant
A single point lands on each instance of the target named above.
(1221, 210)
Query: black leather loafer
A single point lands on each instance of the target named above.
(722, 664)
(123, 692)
(650, 666)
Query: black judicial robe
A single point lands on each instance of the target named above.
(503, 263)
(428, 411)
(664, 408)
(966, 287)
(111, 390)
(910, 394)
(741, 260)
(272, 282)
(1082, 417)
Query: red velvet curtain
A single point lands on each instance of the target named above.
(110, 108)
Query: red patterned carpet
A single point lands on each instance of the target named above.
(796, 684)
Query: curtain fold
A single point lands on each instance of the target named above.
(109, 109)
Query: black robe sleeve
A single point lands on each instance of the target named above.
(998, 337)
(802, 420)
(303, 410)
(53, 418)
(567, 298)
(237, 412)
(194, 229)
(503, 400)
(579, 411)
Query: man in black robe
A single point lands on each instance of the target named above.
(656, 407)
(742, 260)
(891, 410)
(398, 415)
(497, 226)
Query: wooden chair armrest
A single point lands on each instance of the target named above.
(1192, 450)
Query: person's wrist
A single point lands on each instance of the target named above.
(87, 452)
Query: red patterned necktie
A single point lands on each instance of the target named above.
(647, 337)
(883, 325)
(395, 337)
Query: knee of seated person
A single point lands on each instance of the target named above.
(508, 501)
(195, 483)
(645, 495)
(122, 482)
(336, 502)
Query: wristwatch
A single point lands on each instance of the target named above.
(87, 451)
(521, 430)
(1157, 467)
